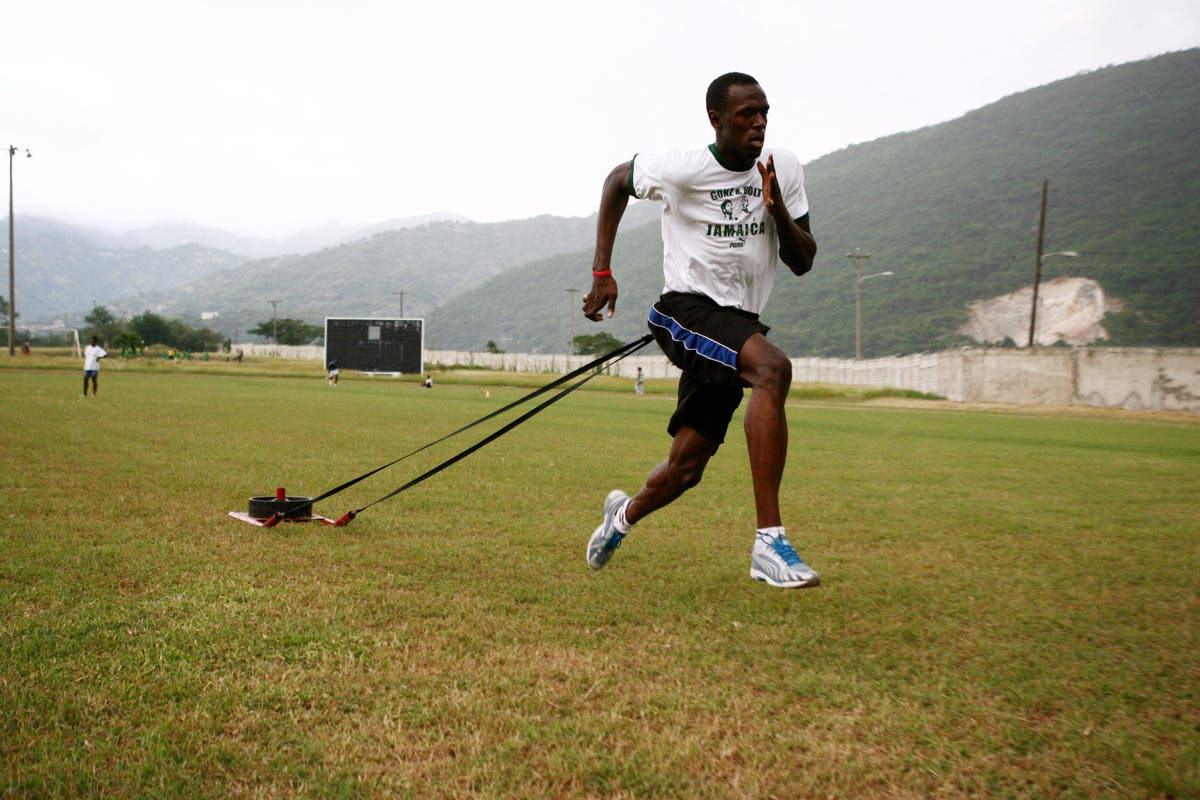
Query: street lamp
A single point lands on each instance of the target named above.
(12, 300)
(1037, 279)
(858, 257)
(571, 319)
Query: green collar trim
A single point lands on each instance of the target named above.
(712, 148)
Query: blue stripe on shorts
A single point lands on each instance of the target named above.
(697, 343)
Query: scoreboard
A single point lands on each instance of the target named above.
(375, 344)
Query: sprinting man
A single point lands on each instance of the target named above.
(731, 211)
(91, 365)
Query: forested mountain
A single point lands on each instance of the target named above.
(430, 264)
(951, 210)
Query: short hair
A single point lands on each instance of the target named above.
(718, 90)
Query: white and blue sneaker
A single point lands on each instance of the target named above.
(606, 539)
(773, 560)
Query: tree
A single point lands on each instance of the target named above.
(596, 344)
(99, 316)
(198, 340)
(491, 347)
(288, 331)
(129, 343)
(103, 325)
(152, 328)
(4, 316)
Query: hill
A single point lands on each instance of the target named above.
(65, 269)
(430, 264)
(952, 210)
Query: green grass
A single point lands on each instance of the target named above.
(1009, 604)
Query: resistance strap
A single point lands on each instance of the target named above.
(614, 356)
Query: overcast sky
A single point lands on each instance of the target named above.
(265, 117)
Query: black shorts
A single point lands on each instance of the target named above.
(703, 339)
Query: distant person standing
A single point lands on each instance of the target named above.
(333, 372)
(91, 365)
(639, 385)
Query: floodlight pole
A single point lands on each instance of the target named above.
(12, 292)
(401, 295)
(858, 256)
(1037, 269)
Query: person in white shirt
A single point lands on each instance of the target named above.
(731, 212)
(91, 365)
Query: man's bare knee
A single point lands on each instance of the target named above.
(765, 366)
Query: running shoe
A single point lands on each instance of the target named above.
(606, 538)
(773, 560)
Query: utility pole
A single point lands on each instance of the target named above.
(401, 294)
(571, 319)
(1037, 269)
(858, 257)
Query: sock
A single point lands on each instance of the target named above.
(771, 534)
(619, 522)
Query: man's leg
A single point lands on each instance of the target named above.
(769, 372)
(682, 470)
(685, 463)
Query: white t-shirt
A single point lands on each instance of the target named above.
(718, 238)
(91, 357)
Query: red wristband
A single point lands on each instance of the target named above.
(601, 273)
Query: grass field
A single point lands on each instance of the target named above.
(1010, 603)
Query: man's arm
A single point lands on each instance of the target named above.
(797, 247)
(613, 200)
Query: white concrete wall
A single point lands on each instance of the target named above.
(1158, 379)
(306, 351)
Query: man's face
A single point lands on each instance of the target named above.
(741, 127)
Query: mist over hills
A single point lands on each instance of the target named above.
(66, 269)
(950, 209)
(413, 269)
(63, 270)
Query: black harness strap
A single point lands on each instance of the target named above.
(616, 355)
(487, 439)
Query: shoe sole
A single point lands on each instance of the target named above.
(807, 583)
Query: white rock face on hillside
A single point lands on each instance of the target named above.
(1069, 310)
